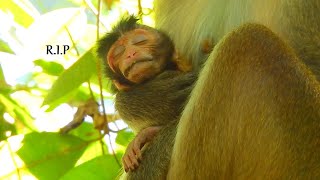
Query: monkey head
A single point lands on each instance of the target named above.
(134, 53)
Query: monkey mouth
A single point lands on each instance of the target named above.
(127, 71)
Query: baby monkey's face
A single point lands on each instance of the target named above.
(138, 55)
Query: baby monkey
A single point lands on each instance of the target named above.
(134, 53)
(151, 80)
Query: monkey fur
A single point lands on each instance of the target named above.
(156, 102)
(260, 119)
(243, 137)
(296, 22)
(254, 112)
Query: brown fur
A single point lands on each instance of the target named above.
(254, 114)
(190, 22)
(156, 156)
(158, 102)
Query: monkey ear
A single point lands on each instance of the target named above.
(182, 63)
(119, 86)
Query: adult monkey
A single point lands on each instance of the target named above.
(255, 110)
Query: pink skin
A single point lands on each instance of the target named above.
(132, 55)
(131, 158)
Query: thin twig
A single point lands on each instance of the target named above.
(140, 10)
(94, 11)
(102, 147)
(100, 83)
(78, 54)
(90, 89)
(73, 43)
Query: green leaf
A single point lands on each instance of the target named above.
(51, 68)
(4, 47)
(5, 126)
(86, 132)
(20, 13)
(72, 78)
(106, 82)
(124, 137)
(16, 111)
(50, 155)
(103, 167)
(3, 83)
(50, 29)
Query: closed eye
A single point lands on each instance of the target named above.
(139, 39)
(118, 51)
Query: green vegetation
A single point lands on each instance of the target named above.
(40, 92)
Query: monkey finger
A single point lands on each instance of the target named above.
(133, 160)
(127, 162)
(130, 166)
(124, 163)
(137, 150)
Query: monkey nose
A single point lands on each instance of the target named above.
(131, 54)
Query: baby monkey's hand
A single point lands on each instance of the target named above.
(132, 157)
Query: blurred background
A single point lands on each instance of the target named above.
(41, 93)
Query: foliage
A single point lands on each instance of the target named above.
(40, 92)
